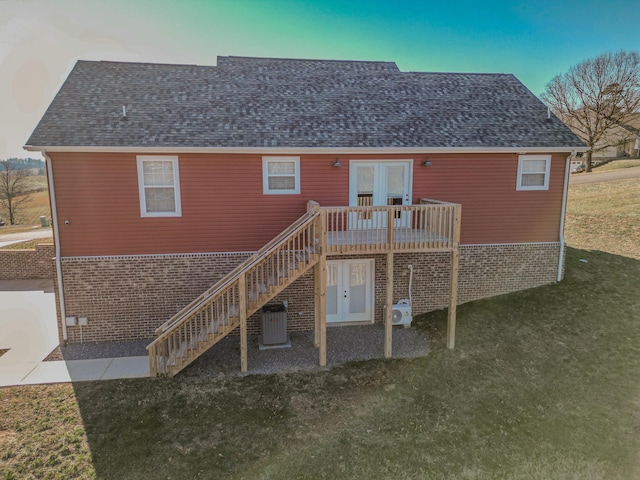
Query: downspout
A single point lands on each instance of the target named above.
(56, 236)
(564, 211)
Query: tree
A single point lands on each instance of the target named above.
(13, 188)
(596, 99)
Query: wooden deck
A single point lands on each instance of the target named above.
(305, 245)
(429, 226)
(365, 241)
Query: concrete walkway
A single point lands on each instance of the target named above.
(62, 371)
(28, 333)
(36, 233)
(28, 328)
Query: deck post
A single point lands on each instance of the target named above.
(388, 313)
(390, 225)
(453, 291)
(153, 372)
(322, 309)
(317, 272)
(316, 305)
(242, 307)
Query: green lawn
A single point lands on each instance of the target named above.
(543, 384)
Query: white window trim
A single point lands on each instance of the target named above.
(521, 159)
(265, 175)
(176, 186)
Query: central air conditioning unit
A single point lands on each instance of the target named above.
(402, 313)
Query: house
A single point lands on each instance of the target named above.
(186, 197)
(629, 145)
(618, 141)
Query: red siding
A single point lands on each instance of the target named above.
(492, 210)
(224, 209)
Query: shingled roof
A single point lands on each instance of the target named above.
(283, 103)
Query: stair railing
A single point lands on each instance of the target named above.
(216, 312)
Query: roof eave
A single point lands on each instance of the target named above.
(306, 150)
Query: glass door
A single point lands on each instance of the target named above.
(349, 291)
(395, 177)
(378, 183)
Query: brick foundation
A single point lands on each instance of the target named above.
(28, 264)
(490, 270)
(127, 298)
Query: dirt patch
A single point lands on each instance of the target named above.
(54, 356)
(3, 351)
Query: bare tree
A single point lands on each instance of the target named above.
(13, 189)
(596, 99)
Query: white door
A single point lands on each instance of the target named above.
(379, 183)
(349, 291)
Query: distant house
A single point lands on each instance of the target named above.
(630, 143)
(186, 197)
(619, 141)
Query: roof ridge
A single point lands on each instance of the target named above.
(462, 73)
(271, 63)
(162, 64)
(304, 59)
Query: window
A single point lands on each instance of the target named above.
(280, 175)
(533, 172)
(159, 186)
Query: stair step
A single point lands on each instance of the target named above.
(200, 336)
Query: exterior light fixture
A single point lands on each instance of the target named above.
(337, 163)
(427, 163)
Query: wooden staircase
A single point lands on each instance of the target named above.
(430, 226)
(228, 304)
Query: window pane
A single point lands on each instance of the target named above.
(357, 288)
(157, 172)
(281, 168)
(365, 180)
(282, 183)
(534, 166)
(395, 181)
(160, 199)
(533, 180)
(332, 289)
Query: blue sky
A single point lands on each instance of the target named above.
(40, 40)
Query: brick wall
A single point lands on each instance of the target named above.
(28, 264)
(127, 298)
(483, 271)
(486, 271)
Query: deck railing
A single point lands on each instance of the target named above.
(427, 226)
(220, 309)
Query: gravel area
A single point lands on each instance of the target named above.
(100, 350)
(344, 344)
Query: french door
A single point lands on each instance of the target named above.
(349, 291)
(379, 183)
